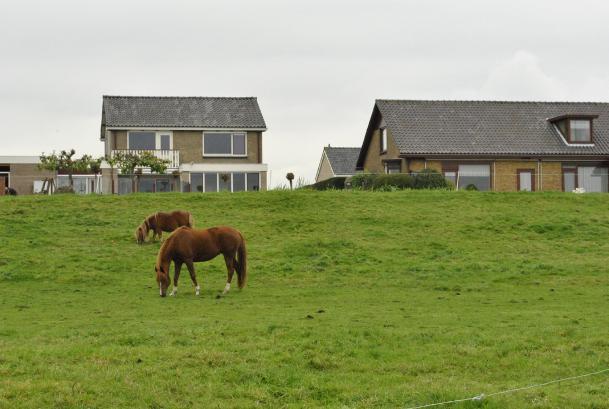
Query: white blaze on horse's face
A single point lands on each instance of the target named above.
(160, 289)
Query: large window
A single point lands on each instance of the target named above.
(142, 140)
(83, 184)
(224, 144)
(224, 181)
(149, 140)
(588, 178)
(592, 178)
(474, 177)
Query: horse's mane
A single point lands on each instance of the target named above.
(165, 247)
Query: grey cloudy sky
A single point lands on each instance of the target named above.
(315, 66)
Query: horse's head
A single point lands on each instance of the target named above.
(162, 278)
(140, 235)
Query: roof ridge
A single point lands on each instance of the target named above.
(490, 101)
(342, 147)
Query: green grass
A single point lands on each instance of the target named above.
(355, 300)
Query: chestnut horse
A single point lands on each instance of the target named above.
(159, 222)
(187, 246)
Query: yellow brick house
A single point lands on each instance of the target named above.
(492, 145)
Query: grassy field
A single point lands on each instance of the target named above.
(355, 300)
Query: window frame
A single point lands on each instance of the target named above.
(387, 163)
(218, 173)
(525, 170)
(157, 139)
(232, 143)
(570, 133)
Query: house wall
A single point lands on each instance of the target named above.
(551, 173)
(23, 176)
(190, 145)
(506, 174)
(325, 170)
(374, 159)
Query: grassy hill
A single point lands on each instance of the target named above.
(355, 300)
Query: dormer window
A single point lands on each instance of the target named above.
(575, 129)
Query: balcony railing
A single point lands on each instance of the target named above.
(171, 155)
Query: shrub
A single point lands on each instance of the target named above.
(332, 183)
(396, 180)
(471, 186)
(426, 179)
(363, 180)
(430, 179)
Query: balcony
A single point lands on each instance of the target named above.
(172, 156)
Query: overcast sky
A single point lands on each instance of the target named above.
(315, 66)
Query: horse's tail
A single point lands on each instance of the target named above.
(191, 221)
(241, 263)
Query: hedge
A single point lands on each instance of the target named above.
(332, 183)
(425, 179)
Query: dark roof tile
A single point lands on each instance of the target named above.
(182, 112)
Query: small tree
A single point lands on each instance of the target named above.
(128, 162)
(113, 161)
(290, 178)
(65, 163)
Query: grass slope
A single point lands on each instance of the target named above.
(355, 300)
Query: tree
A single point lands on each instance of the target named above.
(290, 178)
(128, 162)
(65, 163)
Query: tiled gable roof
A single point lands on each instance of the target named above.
(182, 112)
(488, 127)
(342, 159)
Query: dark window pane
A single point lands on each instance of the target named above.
(211, 180)
(146, 185)
(125, 185)
(163, 185)
(238, 182)
(393, 167)
(239, 144)
(196, 182)
(253, 181)
(224, 182)
(142, 140)
(217, 143)
(165, 142)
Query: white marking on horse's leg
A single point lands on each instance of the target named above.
(174, 291)
(197, 290)
(226, 288)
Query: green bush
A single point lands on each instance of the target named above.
(396, 180)
(430, 179)
(332, 183)
(426, 179)
(363, 180)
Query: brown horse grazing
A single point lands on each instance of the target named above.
(186, 246)
(159, 222)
